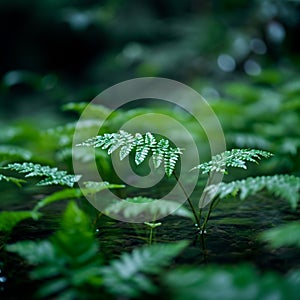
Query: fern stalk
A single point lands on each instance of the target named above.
(197, 220)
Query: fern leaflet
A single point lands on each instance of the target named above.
(283, 236)
(53, 176)
(236, 158)
(127, 275)
(134, 207)
(161, 150)
(13, 153)
(285, 186)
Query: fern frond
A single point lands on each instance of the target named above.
(283, 236)
(53, 176)
(227, 283)
(170, 159)
(13, 153)
(158, 152)
(236, 158)
(127, 276)
(155, 208)
(93, 110)
(9, 219)
(143, 147)
(284, 186)
(161, 150)
(68, 263)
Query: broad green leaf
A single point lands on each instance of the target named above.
(148, 207)
(283, 236)
(91, 187)
(9, 219)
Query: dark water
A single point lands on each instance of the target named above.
(232, 236)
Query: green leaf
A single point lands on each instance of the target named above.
(92, 110)
(284, 236)
(236, 158)
(9, 219)
(126, 276)
(284, 186)
(34, 252)
(91, 187)
(13, 153)
(147, 207)
(68, 263)
(53, 176)
(227, 283)
(58, 196)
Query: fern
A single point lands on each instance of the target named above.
(14, 180)
(91, 187)
(283, 236)
(68, 263)
(236, 158)
(134, 207)
(127, 275)
(13, 153)
(53, 176)
(143, 145)
(70, 266)
(285, 186)
(63, 135)
(9, 219)
(228, 283)
(93, 110)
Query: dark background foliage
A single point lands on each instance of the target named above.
(58, 51)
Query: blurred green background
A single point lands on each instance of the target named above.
(55, 51)
(242, 56)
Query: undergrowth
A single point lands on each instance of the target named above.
(73, 261)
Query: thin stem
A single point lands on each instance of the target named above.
(189, 200)
(208, 215)
(200, 213)
(150, 236)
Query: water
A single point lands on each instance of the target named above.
(232, 237)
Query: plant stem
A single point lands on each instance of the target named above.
(189, 201)
(213, 204)
(150, 236)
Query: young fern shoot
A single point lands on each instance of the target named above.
(220, 163)
(236, 158)
(162, 152)
(143, 145)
